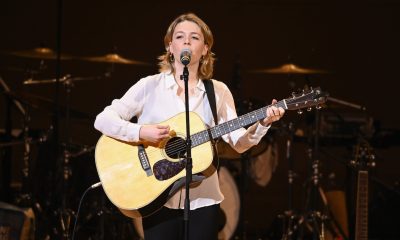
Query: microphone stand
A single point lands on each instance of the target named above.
(185, 78)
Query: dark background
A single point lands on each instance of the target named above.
(356, 42)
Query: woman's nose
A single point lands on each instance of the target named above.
(187, 40)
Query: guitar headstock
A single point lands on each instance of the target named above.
(364, 156)
(309, 98)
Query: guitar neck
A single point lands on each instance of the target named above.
(232, 125)
(361, 228)
(309, 98)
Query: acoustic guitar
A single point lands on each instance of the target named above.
(139, 178)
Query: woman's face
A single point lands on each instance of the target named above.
(188, 35)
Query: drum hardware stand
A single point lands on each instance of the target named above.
(66, 214)
(63, 215)
(25, 197)
(293, 224)
(289, 218)
(315, 220)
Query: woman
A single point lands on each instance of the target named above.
(156, 98)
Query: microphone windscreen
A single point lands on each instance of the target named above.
(186, 56)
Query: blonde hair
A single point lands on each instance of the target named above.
(206, 66)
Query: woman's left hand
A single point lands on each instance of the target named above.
(274, 113)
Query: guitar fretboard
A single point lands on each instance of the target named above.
(361, 232)
(232, 125)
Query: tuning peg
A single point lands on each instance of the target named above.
(318, 107)
(309, 109)
(300, 111)
(293, 94)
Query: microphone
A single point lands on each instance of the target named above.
(186, 56)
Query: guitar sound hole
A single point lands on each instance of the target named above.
(176, 148)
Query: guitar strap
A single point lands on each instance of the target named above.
(208, 84)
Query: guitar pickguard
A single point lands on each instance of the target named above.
(164, 169)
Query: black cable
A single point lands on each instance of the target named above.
(80, 203)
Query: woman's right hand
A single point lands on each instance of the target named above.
(154, 133)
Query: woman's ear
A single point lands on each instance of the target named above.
(205, 50)
(169, 47)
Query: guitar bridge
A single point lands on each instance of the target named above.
(144, 160)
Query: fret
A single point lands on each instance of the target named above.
(234, 124)
(199, 138)
(194, 140)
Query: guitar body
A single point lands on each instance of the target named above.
(129, 186)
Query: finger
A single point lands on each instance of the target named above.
(273, 111)
(164, 132)
(277, 112)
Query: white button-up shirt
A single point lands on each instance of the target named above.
(154, 99)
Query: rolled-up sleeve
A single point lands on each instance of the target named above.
(114, 120)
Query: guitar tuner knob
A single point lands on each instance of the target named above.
(309, 109)
(299, 111)
(293, 94)
(318, 107)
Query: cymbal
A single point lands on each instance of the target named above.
(114, 58)
(290, 68)
(48, 105)
(65, 79)
(40, 53)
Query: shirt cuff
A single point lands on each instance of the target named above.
(261, 130)
(132, 132)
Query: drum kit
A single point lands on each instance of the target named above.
(317, 219)
(59, 212)
(232, 206)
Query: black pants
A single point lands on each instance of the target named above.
(168, 224)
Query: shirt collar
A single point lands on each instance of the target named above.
(170, 82)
